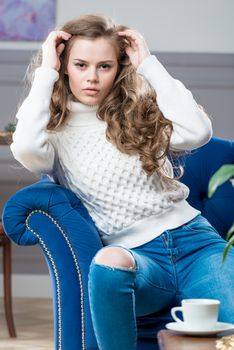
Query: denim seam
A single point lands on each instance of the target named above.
(90, 300)
(176, 246)
(164, 239)
(155, 285)
(173, 263)
(175, 277)
(165, 242)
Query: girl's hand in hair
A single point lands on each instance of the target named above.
(137, 50)
(52, 49)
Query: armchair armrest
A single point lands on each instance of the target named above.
(52, 216)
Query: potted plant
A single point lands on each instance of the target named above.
(6, 135)
(223, 174)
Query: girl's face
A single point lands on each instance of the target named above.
(92, 68)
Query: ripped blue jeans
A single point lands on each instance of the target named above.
(185, 262)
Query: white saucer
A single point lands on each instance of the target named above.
(181, 328)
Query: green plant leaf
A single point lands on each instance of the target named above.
(227, 247)
(230, 232)
(219, 177)
(10, 127)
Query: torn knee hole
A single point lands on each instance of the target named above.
(116, 267)
(115, 257)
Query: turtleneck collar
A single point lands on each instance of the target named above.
(81, 114)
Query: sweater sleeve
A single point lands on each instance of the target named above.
(31, 142)
(191, 126)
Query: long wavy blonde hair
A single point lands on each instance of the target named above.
(135, 124)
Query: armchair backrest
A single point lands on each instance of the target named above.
(200, 165)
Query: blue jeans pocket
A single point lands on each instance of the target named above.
(200, 224)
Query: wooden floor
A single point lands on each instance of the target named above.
(34, 325)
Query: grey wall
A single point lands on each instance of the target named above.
(209, 76)
(168, 25)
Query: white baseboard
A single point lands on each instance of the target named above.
(29, 286)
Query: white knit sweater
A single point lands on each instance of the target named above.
(128, 207)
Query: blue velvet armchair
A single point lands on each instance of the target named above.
(50, 215)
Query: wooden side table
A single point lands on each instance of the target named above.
(169, 340)
(5, 243)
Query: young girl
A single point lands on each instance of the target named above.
(102, 117)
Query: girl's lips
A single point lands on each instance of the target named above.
(91, 91)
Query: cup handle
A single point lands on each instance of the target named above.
(174, 310)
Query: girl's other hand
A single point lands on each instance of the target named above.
(52, 49)
(138, 50)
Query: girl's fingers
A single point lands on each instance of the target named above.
(137, 50)
(60, 48)
(53, 47)
(60, 33)
(57, 36)
(132, 34)
(63, 35)
(134, 37)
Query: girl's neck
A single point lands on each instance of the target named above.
(82, 114)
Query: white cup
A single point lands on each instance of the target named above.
(198, 314)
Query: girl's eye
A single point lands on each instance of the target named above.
(105, 66)
(80, 65)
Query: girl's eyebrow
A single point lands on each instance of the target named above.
(79, 59)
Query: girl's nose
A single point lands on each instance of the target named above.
(92, 75)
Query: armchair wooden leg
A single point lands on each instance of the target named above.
(7, 286)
